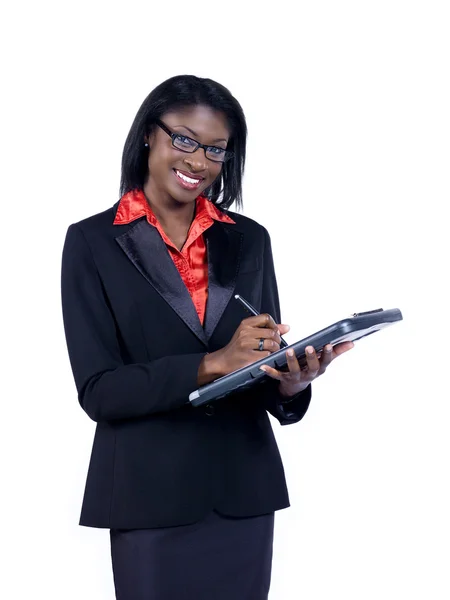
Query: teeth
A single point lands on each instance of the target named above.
(187, 179)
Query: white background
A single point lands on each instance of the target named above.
(348, 156)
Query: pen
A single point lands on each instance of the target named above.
(255, 313)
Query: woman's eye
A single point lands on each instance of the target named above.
(184, 141)
(216, 151)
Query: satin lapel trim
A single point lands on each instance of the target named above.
(147, 251)
(224, 247)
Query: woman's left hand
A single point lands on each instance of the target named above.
(296, 379)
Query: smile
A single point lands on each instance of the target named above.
(187, 182)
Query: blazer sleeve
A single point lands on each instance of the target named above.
(286, 410)
(107, 388)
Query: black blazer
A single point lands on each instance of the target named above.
(135, 344)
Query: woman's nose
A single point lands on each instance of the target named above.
(197, 160)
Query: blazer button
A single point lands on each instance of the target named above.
(210, 410)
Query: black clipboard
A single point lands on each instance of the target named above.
(357, 326)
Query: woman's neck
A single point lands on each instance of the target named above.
(174, 217)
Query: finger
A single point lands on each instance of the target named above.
(259, 355)
(327, 356)
(311, 360)
(262, 320)
(254, 334)
(271, 372)
(254, 356)
(292, 362)
(283, 328)
(268, 322)
(342, 348)
(270, 343)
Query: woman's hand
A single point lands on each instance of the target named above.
(255, 338)
(296, 379)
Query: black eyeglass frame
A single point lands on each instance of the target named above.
(228, 154)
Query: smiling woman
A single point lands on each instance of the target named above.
(188, 494)
(210, 105)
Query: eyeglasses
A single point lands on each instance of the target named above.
(187, 144)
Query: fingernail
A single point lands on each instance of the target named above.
(310, 351)
(290, 352)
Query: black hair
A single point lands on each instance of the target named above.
(179, 92)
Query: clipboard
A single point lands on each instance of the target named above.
(358, 326)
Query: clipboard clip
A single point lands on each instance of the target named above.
(368, 312)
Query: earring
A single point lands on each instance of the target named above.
(146, 145)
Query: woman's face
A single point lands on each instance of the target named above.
(177, 175)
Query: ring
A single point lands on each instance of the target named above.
(261, 344)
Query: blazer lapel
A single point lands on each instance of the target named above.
(224, 247)
(147, 251)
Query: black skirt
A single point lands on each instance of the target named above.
(219, 558)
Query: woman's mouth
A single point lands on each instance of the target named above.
(187, 181)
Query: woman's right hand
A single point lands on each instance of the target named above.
(243, 348)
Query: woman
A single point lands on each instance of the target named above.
(188, 494)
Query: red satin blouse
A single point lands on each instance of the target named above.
(191, 261)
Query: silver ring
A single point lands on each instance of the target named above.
(261, 344)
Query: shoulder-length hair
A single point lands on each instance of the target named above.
(176, 93)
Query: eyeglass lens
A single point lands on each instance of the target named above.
(188, 145)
